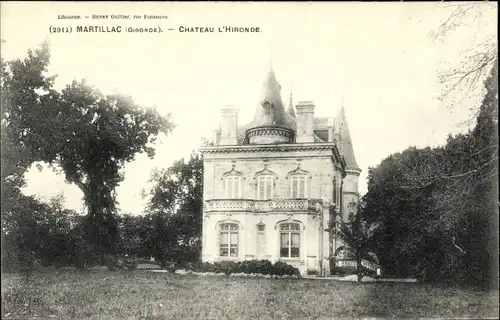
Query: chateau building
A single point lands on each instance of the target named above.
(268, 185)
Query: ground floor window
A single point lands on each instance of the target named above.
(290, 240)
(229, 240)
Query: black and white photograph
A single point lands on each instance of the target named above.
(249, 160)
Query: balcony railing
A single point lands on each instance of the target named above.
(352, 263)
(274, 205)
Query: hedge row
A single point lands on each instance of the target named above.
(264, 267)
(244, 275)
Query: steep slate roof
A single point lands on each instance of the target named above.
(320, 123)
(271, 96)
(346, 147)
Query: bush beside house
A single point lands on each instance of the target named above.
(262, 267)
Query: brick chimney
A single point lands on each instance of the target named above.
(305, 118)
(228, 127)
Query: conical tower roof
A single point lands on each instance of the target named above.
(346, 146)
(271, 124)
(271, 111)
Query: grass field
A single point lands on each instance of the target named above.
(144, 295)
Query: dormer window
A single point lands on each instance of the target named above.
(267, 105)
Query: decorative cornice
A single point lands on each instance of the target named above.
(263, 131)
(353, 171)
(281, 134)
(270, 147)
(290, 147)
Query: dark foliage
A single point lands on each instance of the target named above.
(249, 266)
(438, 208)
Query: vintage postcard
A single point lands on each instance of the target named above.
(249, 160)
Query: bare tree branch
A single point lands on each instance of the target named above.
(468, 77)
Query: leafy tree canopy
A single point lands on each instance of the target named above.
(86, 133)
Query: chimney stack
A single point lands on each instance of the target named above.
(228, 127)
(305, 118)
(331, 125)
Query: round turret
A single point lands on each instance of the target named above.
(271, 124)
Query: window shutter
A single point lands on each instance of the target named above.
(302, 187)
(294, 187)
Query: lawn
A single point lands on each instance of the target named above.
(140, 294)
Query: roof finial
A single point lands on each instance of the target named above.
(290, 109)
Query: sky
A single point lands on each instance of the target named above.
(377, 59)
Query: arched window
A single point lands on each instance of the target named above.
(289, 240)
(228, 240)
(265, 187)
(232, 185)
(298, 186)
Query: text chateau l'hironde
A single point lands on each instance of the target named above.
(219, 29)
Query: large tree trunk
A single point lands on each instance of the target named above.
(101, 229)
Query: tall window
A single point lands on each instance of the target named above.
(229, 240)
(264, 187)
(233, 187)
(290, 240)
(298, 187)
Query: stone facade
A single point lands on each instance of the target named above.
(268, 185)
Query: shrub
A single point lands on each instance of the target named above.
(247, 267)
(312, 272)
(281, 268)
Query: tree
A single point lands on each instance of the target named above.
(357, 239)
(175, 207)
(36, 231)
(87, 134)
(23, 90)
(178, 190)
(136, 235)
(438, 208)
